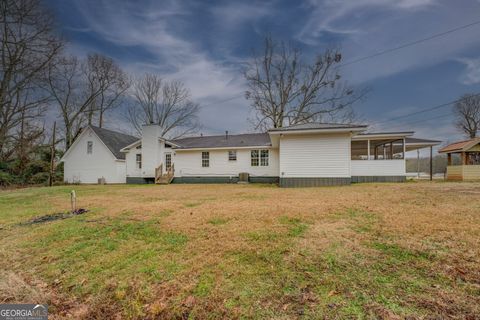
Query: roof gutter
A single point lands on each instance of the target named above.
(222, 148)
(367, 136)
(329, 130)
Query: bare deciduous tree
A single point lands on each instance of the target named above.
(68, 92)
(166, 103)
(83, 90)
(103, 73)
(28, 47)
(27, 138)
(285, 91)
(467, 112)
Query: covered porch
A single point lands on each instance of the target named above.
(377, 157)
(468, 167)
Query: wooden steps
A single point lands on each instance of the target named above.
(164, 177)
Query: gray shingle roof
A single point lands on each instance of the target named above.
(114, 140)
(233, 141)
(317, 125)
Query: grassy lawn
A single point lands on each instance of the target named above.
(246, 251)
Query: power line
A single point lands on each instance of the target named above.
(433, 118)
(409, 44)
(405, 45)
(224, 100)
(426, 110)
(428, 119)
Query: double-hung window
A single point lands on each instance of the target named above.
(254, 158)
(205, 159)
(259, 158)
(264, 158)
(139, 160)
(232, 155)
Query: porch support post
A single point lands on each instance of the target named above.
(449, 159)
(431, 163)
(368, 151)
(404, 148)
(464, 158)
(391, 150)
(418, 163)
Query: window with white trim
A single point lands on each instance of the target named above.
(232, 155)
(139, 160)
(264, 158)
(254, 158)
(205, 159)
(259, 158)
(89, 147)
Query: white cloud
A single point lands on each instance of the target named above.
(233, 14)
(471, 74)
(366, 27)
(148, 27)
(330, 15)
(370, 26)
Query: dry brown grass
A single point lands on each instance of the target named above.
(255, 251)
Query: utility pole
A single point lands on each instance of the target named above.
(52, 156)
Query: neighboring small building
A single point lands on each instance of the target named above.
(312, 154)
(95, 154)
(469, 166)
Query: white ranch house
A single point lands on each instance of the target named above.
(311, 154)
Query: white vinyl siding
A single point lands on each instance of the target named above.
(378, 168)
(80, 168)
(152, 150)
(189, 163)
(131, 163)
(315, 155)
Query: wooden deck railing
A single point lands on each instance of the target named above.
(164, 178)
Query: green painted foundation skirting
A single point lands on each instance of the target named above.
(140, 180)
(283, 182)
(312, 182)
(360, 179)
(264, 179)
(205, 179)
(224, 179)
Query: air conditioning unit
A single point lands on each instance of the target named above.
(243, 177)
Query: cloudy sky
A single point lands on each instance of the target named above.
(205, 43)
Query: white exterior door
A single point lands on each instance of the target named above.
(168, 161)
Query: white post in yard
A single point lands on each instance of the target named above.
(73, 200)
